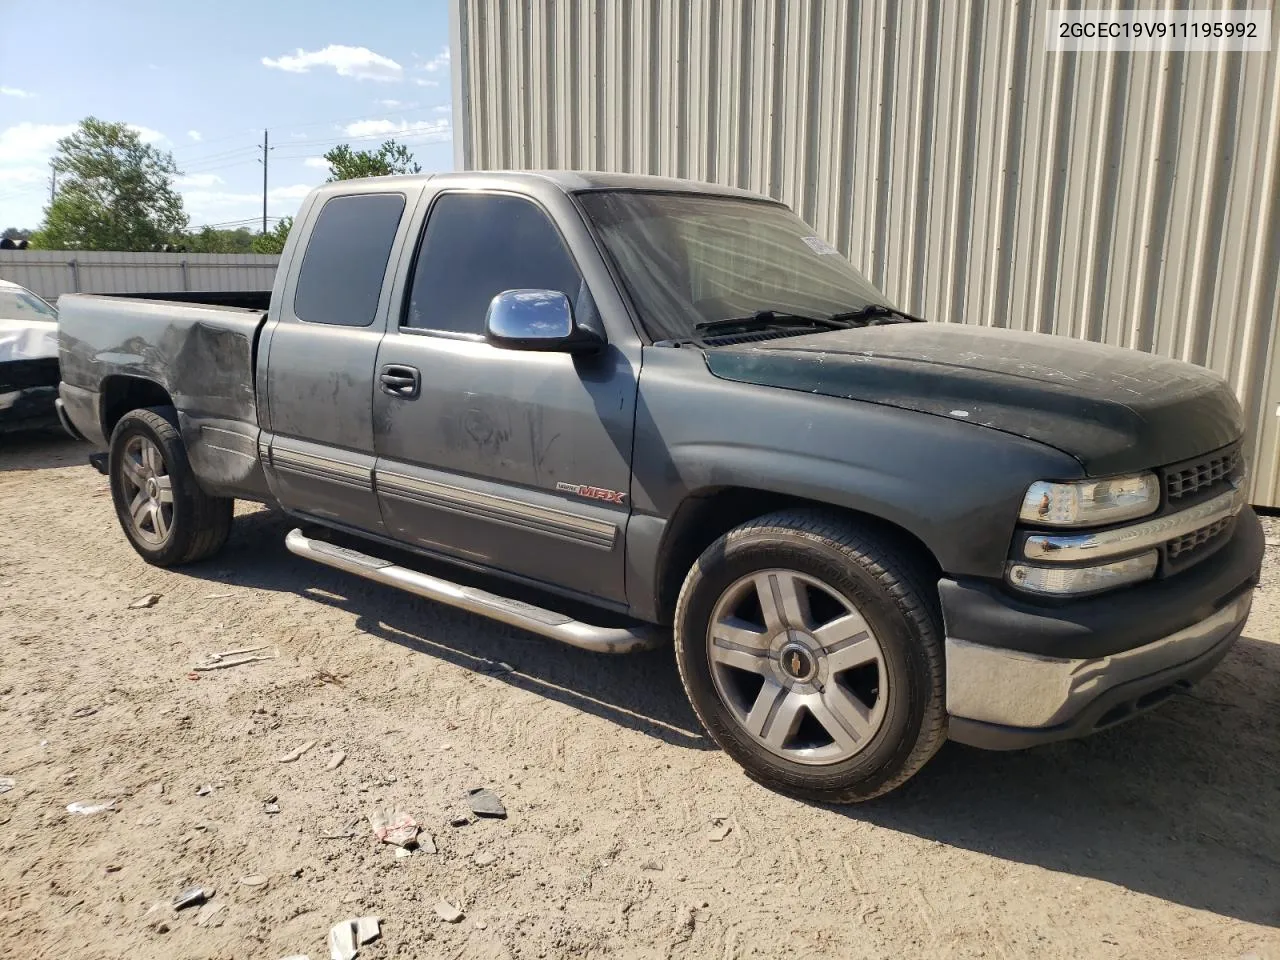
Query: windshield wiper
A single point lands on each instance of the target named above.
(768, 318)
(873, 312)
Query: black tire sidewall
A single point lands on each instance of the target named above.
(891, 746)
(152, 425)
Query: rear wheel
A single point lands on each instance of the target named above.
(162, 510)
(812, 653)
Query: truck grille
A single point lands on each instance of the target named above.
(1189, 479)
(1182, 550)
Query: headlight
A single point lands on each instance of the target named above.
(1090, 502)
(1071, 581)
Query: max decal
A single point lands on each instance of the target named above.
(592, 493)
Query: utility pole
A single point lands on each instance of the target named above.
(265, 149)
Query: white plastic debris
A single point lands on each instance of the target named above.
(150, 600)
(87, 807)
(296, 752)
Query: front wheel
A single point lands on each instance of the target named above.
(812, 653)
(162, 510)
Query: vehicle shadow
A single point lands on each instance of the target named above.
(40, 450)
(641, 691)
(1179, 804)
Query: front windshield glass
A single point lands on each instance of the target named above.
(691, 258)
(19, 304)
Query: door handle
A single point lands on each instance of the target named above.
(400, 381)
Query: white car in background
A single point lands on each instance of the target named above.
(28, 360)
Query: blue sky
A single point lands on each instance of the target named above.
(203, 79)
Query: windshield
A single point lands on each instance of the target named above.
(20, 304)
(687, 259)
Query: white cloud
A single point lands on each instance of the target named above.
(439, 62)
(200, 180)
(426, 83)
(437, 129)
(444, 108)
(32, 142)
(391, 104)
(15, 92)
(317, 163)
(358, 62)
(195, 135)
(146, 133)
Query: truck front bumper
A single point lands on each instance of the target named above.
(1046, 673)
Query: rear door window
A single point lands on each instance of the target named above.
(346, 259)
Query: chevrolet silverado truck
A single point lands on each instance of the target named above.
(626, 410)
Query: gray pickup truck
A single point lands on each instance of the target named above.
(673, 405)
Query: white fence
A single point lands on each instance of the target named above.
(51, 273)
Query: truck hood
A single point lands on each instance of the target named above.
(27, 340)
(1114, 410)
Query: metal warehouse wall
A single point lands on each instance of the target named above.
(1130, 198)
(54, 272)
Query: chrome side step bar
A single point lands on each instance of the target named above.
(526, 616)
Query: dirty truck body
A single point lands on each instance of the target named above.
(673, 405)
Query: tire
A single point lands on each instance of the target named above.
(836, 694)
(177, 523)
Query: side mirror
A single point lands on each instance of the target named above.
(537, 320)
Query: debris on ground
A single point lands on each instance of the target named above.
(150, 600)
(158, 916)
(92, 806)
(191, 897)
(323, 677)
(111, 868)
(296, 752)
(335, 761)
(218, 596)
(347, 937)
(7, 784)
(204, 790)
(447, 912)
(270, 805)
(344, 835)
(83, 712)
(459, 821)
(485, 803)
(495, 668)
(426, 843)
(484, 858)
(210, 915)
(651, 865)
(254, 880)
(719, 830)
(394, 826)
(233, 658)
(403, 852)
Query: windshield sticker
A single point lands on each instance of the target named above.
(820, 246)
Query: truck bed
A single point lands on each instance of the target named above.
(201, 352)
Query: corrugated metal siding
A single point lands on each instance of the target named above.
(51, 273)
(1130, 198)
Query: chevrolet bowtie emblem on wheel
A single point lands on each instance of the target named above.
(796, 665)
(592, 493)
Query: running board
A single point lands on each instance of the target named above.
(526, 616)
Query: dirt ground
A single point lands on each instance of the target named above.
(1159, 839)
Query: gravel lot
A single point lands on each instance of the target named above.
(1160, 839)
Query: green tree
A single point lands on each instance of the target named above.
(273, 240)
(114, 193)
(391, 157)
(211, 240)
